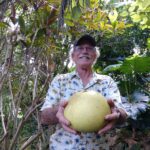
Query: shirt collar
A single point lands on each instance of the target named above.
(73, 74)
(95, 79)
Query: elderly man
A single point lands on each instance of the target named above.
(84, 55)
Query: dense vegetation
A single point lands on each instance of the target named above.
(35, 36)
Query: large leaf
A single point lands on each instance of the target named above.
(136, 64)
(76, 12)
(136, 17)
(113, 16)
(111, 68)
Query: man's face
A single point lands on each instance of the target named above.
(84, 55)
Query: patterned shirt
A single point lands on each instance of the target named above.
(65, 85)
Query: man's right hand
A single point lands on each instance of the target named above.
(61, 118)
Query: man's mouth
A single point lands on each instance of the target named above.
(86, 57)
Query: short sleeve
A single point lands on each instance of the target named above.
(114, 94)
(53, 94)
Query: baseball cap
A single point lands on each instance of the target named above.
(85, 39)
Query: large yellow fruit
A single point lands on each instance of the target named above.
(86, 111)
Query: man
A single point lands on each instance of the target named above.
(84, 55)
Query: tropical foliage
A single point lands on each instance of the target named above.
(35, 36)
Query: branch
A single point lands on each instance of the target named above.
(64, 4)
(2, 115)
(30, 140)
(6, 65)
(3, 137)
(11, 93)
(22, 122)
(35, 83)
(23, 84)
(27, 115)
(24, 81)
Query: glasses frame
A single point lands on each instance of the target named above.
(88, 48)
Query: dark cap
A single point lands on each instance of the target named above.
(85, 39)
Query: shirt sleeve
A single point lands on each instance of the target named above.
(114, 94)
(53, 94)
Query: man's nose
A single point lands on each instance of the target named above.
(85, 49)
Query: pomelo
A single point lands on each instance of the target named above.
(86, 111)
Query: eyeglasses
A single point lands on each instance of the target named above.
(81, 48)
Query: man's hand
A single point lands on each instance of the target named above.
(115, 116)
(62, 120)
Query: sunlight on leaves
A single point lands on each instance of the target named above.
(113, 16)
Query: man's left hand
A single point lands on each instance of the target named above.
(112, 118)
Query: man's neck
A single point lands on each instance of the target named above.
(85, 74)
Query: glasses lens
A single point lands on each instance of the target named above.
(89, 48)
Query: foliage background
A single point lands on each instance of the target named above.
(35, 37)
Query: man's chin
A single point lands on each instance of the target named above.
(85, 64)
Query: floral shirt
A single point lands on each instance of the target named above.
(61, 88)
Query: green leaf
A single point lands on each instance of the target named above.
(84, 3)
(74, 3)
(113, 16)
(69, 22)
(145, 3)
(111, 68)
(148, 43)
(76, 12)
(144, 27)
(22, 24)
(3, 25)
(136, 18)
(124, 14)
(41, 33)
(144, 20)
(132, 8)
(129, 25)
(136, 64)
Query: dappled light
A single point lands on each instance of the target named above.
(35, 39)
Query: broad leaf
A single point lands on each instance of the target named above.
(112, 68)
(136, 64)
(69, 22)
(136, 18)
(113, 16)
(144, 20)
(124, 14)
(76, 12)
